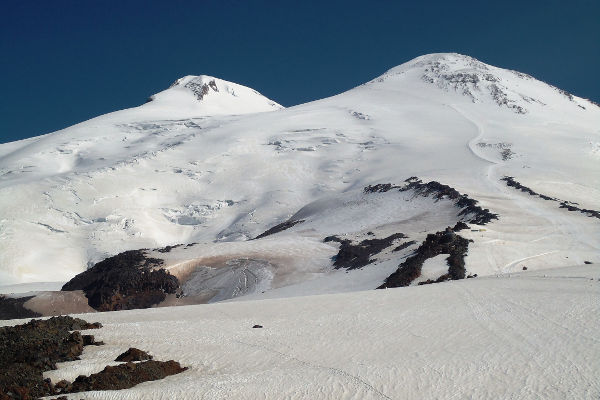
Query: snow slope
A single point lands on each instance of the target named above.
(206, 95)
(529, 335)
(193, 166)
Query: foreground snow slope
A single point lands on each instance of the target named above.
(186, 167)
(529, 335)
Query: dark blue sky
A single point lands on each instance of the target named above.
(67, 61)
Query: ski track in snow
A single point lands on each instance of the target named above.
(355, 380)
(568, 227)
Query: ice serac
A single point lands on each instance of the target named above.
(199, 163)
(212, 96)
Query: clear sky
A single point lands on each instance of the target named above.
(63, 62)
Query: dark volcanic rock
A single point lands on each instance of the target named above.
(588, 212)
(27, 350)
(89, 340)
(510, 181)
(445, 242)
(404, 245)
(133, 354)
(169, 248)
(352, 256)
(126, 375)
(280, 227)
(11, 308)
(126, 281)
(460, 226)
(469, 209)
(380, 188)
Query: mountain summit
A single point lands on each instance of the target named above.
(209, 96)
(480, 83)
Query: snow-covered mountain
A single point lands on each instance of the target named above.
(203, 162)
(207, 96)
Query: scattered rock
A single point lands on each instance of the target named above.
(510, 181)
(442, 278)
(444, 242)
(127, 375)
(460, 226)
(169, 248)
(88, 340)
(381, 188)
(333, 238)
(63, 387)
(352, 256)
(126, 281)
(570, 207)
(133, 354)
(404, 245)
(27, 350)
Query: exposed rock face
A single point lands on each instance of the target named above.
(169, 248)
(510, 181)
(89, 340)
(27, 350)
(133, 354)
(445, 242)
(11, 308)
(200, 88)
(404, 245)
(470, 211)
(126, 375)
(352, 256)
(280, 227)
(126, 281)
(476, 84)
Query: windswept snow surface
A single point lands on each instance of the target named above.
(528, 335)
(193, 166)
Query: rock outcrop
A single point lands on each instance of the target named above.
(126, 281)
